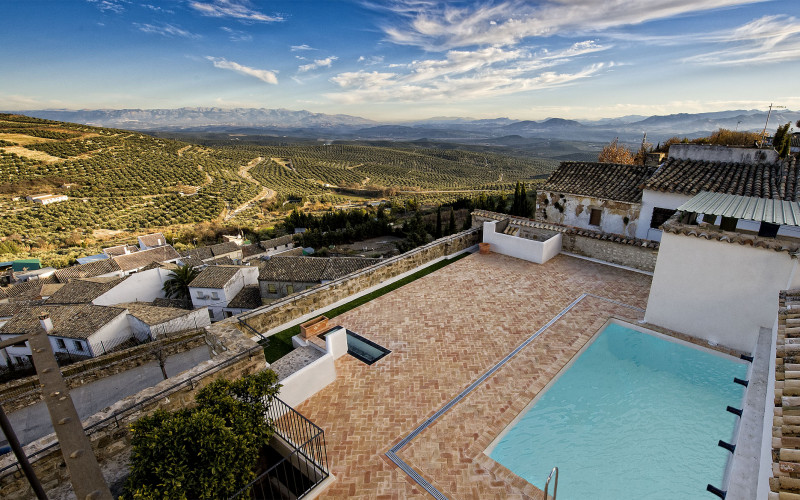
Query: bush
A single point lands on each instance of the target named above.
(208, 451)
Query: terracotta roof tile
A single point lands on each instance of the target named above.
(31, 290)
(140, 259)
(153, 315)
(214, 277)
(311, 269)
(71, 321)
(248, 298)
(90, 270)
(609, 181)
(224, 248)
(83, 291)
(199, 253)
(763, 180)
(120, 250)
(276, 242)
(153, 240)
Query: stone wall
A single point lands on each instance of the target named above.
(300, 304)
(613, 248)
(24, 392)
(109, 430)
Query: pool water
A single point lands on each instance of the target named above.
(635, 416)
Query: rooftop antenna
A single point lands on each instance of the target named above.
(764, 132)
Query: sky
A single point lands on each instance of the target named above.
(399, 60)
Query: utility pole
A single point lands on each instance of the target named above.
(764, 132)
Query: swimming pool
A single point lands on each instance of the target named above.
(635, 416)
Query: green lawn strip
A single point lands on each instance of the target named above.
(280, 343)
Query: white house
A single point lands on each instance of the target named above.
(148, 321)
(602, 197)
(82, 330)
(691, 168)
(716, 281)
(135, 261)
(216, 286)
(46, 199)
(147, 241)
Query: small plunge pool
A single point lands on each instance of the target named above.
(635, 416)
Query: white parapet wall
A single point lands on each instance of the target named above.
(312, 378)
(521, 248)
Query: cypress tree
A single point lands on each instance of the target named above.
(524, 208)
(439, 222)
(451, 228)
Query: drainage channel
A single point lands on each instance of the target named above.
(392, 453)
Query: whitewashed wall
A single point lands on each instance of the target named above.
(144, 286)
(719, 291)
(307, 381)
(246, 275)
(650, 200)
(521, 248)
(576, 211)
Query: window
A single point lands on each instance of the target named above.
(594, 218)
(79, 346)
(61, 344)
(289, 289)
(200, 294)
(228, 314)
(214, 295)
(271, 288)
(660, 216)
(211, 314)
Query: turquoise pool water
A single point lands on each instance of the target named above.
(635, 417)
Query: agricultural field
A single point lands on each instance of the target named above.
(122, 183)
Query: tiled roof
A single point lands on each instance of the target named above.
(3, 294)
(224, 248)
(11, 308)
(709, 232)
(311, 269)
(192, 261)
(250, 250)
(341, 266)
(764, 180)
(221, 261)
(610, 181)
(83, 291)
(153, 315)
(153, 240)
(214, 277)
(276, 242)
(300, 269)
(90, 270)
(248, 298)
(72, 321)
(140, 259)
(33, 289)
(785, 476)
(176, 303)
(120, 250)
(200, 253)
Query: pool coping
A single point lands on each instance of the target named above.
(414, 475)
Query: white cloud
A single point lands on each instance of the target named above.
(264, 75)
(236, 35)
(168, 30)
(295, 48)
(769, 39)
(155, 8)
(464, 75)
(442, 27)
(370, 60)
(236, 9)
(115, 6)
(318, 63)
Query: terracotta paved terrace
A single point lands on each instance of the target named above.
(446, 330)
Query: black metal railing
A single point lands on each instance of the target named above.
(300, 460)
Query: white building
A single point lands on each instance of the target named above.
(46, 199)
(216, 286)
(691, 168)
(153, 240)
(717, 281)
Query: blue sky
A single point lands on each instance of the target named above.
(404, 59)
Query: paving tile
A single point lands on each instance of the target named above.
(445, 330)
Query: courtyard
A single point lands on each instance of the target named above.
(445, 330)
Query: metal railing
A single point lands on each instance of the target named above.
(301, 469)
(555, 483)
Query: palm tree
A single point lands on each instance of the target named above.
(177, 286)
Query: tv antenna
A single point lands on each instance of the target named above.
(764, 132)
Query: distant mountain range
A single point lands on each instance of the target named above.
(305, 124)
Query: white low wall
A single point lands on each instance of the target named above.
(718, 291)
(307, 381)
(521, 248)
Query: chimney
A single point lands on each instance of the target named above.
(126, 250)
(46, 322)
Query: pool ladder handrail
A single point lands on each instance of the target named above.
(555, 484)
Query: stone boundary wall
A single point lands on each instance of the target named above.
(307, 301)
(109, 430)
(616, 249)
(24, 392)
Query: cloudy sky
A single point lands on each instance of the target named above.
(404, 59)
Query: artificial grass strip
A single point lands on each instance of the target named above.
(280, 344)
